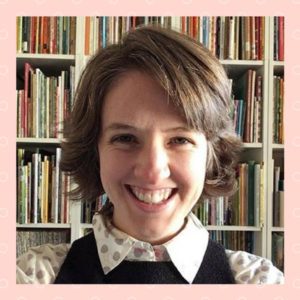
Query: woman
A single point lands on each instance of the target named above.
(151, 129)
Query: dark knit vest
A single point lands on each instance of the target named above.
(82, 265)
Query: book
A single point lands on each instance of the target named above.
(278, 104)
(251, 188)
(257, 194)
(281, 207)
(27, 99)
(280, 38)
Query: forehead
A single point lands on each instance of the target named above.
(135, 85)
(136, 97)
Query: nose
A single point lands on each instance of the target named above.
(152, 164)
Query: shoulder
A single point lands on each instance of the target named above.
(248, 268)
(81, 263)
(41, 264)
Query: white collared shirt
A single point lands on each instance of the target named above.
(114, 246)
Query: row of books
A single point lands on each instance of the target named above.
(279, 38)
(247, 106)
(227, 37)
(278, 113)
(244, 207)
(46, 35)
(236, 38)
(31, 238)
(248, 201)
(44, 103)
(278, 250)
(214, 211)
(41, 188)
(234, 240)
(278, 197)
(88, 209)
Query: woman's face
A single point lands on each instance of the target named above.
(152, 166)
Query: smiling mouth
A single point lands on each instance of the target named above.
(151, 196)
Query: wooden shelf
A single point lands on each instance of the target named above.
(252, 145)
(44, 226)
(232, 228)
(50, 141)
(277, 229)
(278, 146)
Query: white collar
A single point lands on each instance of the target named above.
(186, 250)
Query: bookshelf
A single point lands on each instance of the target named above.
(275, 213)
(263, 150)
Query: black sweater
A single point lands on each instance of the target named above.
(82, 265)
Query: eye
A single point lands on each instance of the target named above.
(124, 139)
(180, 140)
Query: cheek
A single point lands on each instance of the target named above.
(198, 166)
(192, 171)
(113, 168)
(110, 177)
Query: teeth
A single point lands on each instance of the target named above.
(153, 196)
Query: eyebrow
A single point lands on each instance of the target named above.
(121, 126)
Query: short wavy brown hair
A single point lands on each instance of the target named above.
(195, 83)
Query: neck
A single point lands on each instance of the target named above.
(150, 237)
